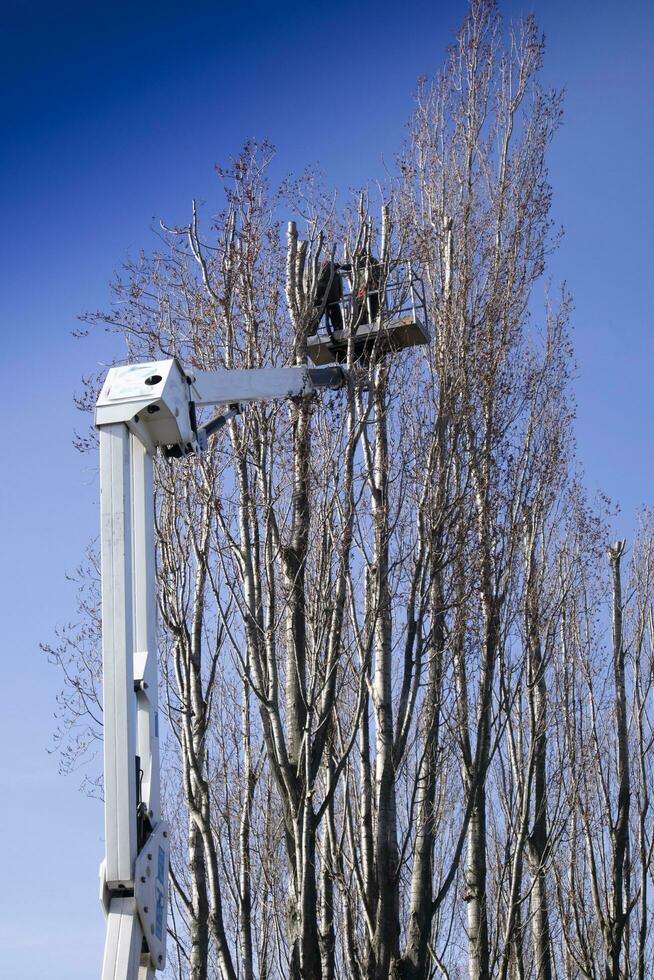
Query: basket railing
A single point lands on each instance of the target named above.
(401, 295)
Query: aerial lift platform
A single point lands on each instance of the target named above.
(144, 409)
(382, 321)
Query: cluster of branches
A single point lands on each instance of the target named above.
(403, 740)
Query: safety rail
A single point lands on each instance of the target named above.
(387, 317)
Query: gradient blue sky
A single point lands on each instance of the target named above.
(112, 116)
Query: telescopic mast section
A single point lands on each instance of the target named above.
(143, 408)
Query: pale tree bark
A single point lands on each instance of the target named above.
(245, 878)
(386, 938)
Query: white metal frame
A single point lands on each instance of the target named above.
(143, 408)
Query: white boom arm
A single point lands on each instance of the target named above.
(143, 407)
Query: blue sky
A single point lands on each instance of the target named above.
(113, 115)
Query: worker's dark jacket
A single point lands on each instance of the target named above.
(329, 286)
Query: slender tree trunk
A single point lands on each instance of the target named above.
(617, 915)
(386, 939)
(327, 934)
(478, 946)
(199, 919)
(369, 882)
(245, 872)
(538, 838)
(305, 956)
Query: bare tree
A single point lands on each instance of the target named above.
(481, 225)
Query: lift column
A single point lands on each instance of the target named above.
(124, 937)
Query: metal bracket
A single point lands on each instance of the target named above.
(217, 423)
(150, 891)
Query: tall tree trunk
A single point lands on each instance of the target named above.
(537, 840)
(305, 956)
(245, 871)
(327, 873)
(617, 913)
(478, 946)
(387, 932)
(369, 880)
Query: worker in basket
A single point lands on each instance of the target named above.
(366, 280)
(329, 293)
